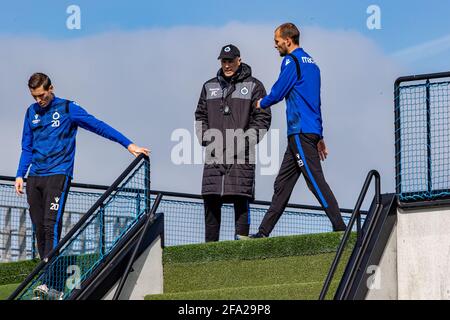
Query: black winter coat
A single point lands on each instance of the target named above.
(231, 105)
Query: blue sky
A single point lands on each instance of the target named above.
(137, 44)
(404, 23)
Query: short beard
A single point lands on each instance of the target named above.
(283, 53)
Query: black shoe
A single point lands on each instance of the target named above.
(258, 235)
(340, 229)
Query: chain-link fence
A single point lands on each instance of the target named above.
(95, 235)
(422, 119)
(184, 221)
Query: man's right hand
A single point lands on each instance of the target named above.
(258, 104)
(19, 186)
(323, 150)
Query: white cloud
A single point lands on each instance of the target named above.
(424, 51)
(147, 83)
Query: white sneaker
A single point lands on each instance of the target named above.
(40, 292)
(55, 295)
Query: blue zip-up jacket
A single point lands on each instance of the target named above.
(48, 139)
(302, 95)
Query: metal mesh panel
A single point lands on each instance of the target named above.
(16, 230)
(423, 137)
(184, 221)
(94, 238)
(440, 139)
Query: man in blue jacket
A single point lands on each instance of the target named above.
(299, 84)
(48, 146)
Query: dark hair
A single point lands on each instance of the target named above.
(39, 79)
(289, 30)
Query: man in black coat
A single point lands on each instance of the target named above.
(227, 107)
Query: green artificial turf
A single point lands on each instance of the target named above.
(245, 273)
(14, 272)
(288, 268)
(255, 249)
(6, 290)
(291, 291)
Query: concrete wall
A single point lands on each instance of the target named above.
(146, 277)
(385, 280)
(423, 258)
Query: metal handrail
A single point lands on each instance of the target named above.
(420, 77)
(80, 223)
(356, 217)
(346, 284)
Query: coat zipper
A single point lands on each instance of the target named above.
(223, 185)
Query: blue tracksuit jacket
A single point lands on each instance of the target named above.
(302, 95)
(48, 139)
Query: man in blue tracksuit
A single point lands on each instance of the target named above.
(48, 146)
(299, 84)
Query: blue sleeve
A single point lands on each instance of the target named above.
(286, 81)
(89, 122)
(27, 148)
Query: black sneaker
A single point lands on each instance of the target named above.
(258, 235)
(340, 229)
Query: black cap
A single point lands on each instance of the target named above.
(229, 52)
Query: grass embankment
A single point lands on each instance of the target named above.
(288, 268)
(11, 274)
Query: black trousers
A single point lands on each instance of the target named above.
(47, 197)
(301, 157)
(213, 212)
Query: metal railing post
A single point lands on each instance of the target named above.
(102, 230)
(429, 173)
(354, 218)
